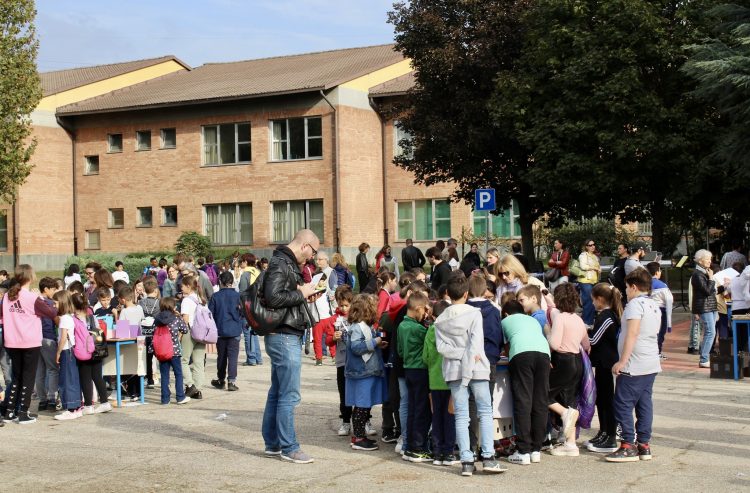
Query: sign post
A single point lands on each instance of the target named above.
(484, 200)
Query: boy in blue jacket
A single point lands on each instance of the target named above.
(225, 306)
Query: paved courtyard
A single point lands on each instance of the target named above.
(701, 443)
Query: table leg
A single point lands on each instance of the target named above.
(143, 396)
(735, 348)
(118, 374)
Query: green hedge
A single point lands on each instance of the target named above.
(133, 265)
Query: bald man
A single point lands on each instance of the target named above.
(283, 288)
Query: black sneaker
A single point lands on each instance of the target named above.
(389, 436)
(606, 446)
(197, 395)
(318, 362)
(596, 438)
(219, 384)
(467, 468)
(2, 422)
(644, 451)
(25, 418)
(626, 453)
(232, 387)
(364, 444)
(417, 456)
(42, 406)
(450, 460)
(11, 416)
(190, 390)
(692, 350)
(437, 460)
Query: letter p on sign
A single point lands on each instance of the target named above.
(484, 199)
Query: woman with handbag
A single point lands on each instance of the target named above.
(590, 270)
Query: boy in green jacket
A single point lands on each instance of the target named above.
(443, 421)
(411, 335)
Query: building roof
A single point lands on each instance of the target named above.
(64, 80)
(394, 87)
(245, 79)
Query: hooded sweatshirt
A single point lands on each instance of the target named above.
(460, 339)
(176, 325)
(493, 331)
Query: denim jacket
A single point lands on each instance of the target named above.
(356, 347)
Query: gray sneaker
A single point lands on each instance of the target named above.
(492, 466)
(297, 457)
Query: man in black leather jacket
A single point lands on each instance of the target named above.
(412, 256)
(283, 288)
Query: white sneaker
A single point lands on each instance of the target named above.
(369, 430)
(565, 450)
(400, 446)
(68, 415)
(520, 459)
(88, 410)
(184, 401)
(344, 429)
(103, 408)
(536, 457)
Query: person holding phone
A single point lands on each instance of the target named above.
(636, 369)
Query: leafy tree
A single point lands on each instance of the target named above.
(193, 243)
(457, 47)
(598, 98)
(20, 92)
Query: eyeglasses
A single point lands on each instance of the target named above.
(315, 252)
(591, 244)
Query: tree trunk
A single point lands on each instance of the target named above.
(526, 220)
(657, 228)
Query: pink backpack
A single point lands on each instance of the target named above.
(83, 350)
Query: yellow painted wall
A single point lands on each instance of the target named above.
(365, 82)
(54, 101)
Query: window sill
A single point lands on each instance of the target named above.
(274, 161)
(91, 174)
(246, 163)
(167, 148)
(168, 225)
(115, 227)
(92, 249)
(145, 226)
(114, 152)
(143, 150)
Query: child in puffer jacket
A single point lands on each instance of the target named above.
(336, 329)
(169, 317)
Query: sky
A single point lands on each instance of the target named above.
(77, 33)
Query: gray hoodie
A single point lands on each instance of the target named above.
(460, 339)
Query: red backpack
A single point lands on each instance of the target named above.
(163, 347)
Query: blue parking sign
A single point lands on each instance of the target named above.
(484, 199)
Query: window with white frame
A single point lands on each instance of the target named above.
(3, 231)
(143, 140)
(424, 219)
(503, 225)
(144, 217)
(645, 228)
(114, 143)
(400, 145)
(296, 138)
(228, 143)
(116, 218)
(169, 215)
(91, 166)
(229, 224)
(168, 138)
(289, 217)
(93, 239)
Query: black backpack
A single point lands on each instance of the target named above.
(260, 318)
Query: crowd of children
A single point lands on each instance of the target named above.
(47, 329)
(443, 348)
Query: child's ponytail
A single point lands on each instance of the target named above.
(611, 296)
(23, 276)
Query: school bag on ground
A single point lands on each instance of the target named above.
(163, 347)
(204, 327)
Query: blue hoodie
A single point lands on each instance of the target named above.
(493, 331)
(225, 307)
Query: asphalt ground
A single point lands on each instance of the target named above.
(701, 443)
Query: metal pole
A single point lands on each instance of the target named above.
(487, 230)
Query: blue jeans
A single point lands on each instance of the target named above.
(403, 411)
(70, 386)
(589, 312)
(481, 392)
(285, 351)
(635, 393)
(175, 364)
(708, 320)
(252, 347)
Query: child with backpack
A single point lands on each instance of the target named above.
(225, 307)
(336, 329)
(170, 328)
(150, 306)
(134, 315)
(70, 387)
(193, 352)
(90, 371)
(47, 372)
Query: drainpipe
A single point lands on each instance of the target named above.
(15, 229)
(71, 133)
(336, 197)
(376, 108)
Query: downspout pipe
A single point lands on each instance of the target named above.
(72, 134)
(377, 109)
(336, 194)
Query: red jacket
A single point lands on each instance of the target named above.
(384, 301)
(326, 326)
(560, 261)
